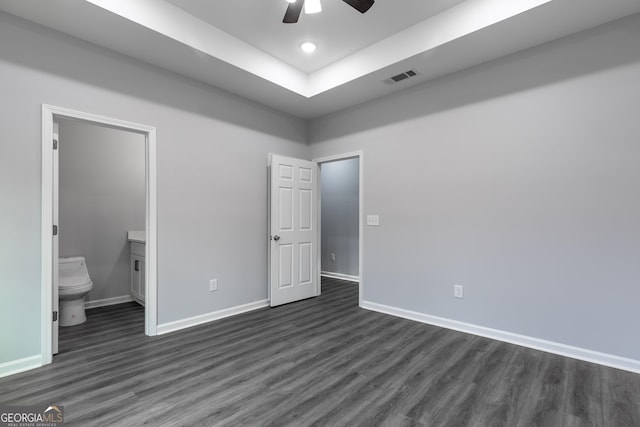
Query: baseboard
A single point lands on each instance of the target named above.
(586, 355)
(20, 365)
(340, 276)
(165, 328)
(108, 301)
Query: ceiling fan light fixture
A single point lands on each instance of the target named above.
(308, 47)
(312, 6)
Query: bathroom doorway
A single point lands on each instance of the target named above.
(101, 207)
(340, 217)
(103, 236)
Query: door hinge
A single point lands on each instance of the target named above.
(55, 144)
(55, 316)
(55, 230)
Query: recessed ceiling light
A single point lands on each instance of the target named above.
(308, 47)
(312, 6)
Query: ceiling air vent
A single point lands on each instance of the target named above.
(400, 77)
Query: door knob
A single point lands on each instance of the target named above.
(276, 237)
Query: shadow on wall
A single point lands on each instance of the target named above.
(543, 65)
(122, 74)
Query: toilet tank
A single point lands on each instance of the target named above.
(72, 267)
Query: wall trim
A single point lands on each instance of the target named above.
(108, 301)
(177, 325)
(20, 365)
(340, 276)
(579, 353)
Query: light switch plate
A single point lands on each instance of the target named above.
(373, 220)
(458, 291)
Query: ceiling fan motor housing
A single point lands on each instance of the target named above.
(294, 9)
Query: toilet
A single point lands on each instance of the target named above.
(73, 284)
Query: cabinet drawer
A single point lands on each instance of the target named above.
(137, 248)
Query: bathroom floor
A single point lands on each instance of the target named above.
(111, 323)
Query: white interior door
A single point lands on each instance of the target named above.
(54, 249)
(293, 262)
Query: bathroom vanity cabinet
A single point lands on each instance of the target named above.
(137, 268)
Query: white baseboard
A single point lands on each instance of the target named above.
(20, 365)
(340, 276)
(108, 301)
(165, 328)
(605, 359)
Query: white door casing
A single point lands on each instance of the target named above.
(49, 261)
(55, 246)
(293, 266)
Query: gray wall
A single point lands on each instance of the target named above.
(211, 163)
(340, 204)
(102, 196)
(517, 179)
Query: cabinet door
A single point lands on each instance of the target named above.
(141, 280)
(135, 277)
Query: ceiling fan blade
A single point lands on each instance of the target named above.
(292, 14)
(360, 5)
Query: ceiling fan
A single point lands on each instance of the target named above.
(294, 9)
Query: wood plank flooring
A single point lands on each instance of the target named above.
(318, 362)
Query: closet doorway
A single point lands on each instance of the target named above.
(341, 217)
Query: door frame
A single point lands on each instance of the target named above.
(328, 159)
(49, 114)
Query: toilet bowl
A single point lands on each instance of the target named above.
(73, 284)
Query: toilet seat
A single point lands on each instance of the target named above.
(73, 282)
(75, 288)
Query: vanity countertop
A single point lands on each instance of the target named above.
(137, 236)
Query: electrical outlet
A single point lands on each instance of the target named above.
(213, 285)
(458, 291)
(373, 220)
(332, 256)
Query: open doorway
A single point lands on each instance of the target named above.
(101, 221)
(340, 220)
(55, 119)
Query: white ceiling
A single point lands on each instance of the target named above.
(339, 30)
(243, 47)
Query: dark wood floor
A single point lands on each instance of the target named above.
(322, 361)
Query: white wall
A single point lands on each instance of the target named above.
(340, 213)
(517, 179)
(102, 196)
(212, 155)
